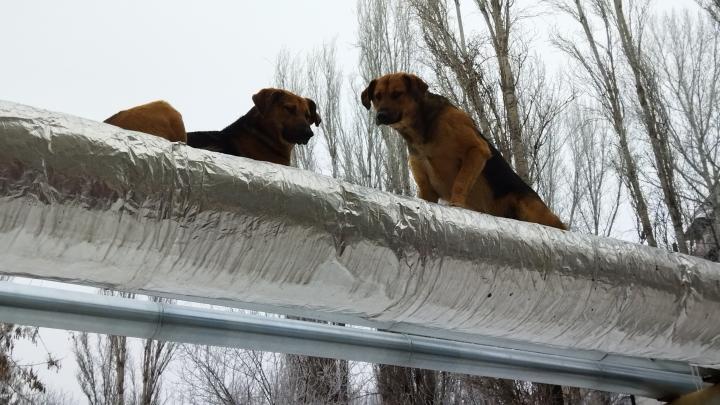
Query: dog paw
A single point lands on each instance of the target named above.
(459, 204)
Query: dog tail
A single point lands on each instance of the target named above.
(533, 209)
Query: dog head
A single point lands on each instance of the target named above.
(395, 97)
(291, 114)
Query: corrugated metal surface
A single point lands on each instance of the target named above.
(85, 202)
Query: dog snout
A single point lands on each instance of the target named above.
(307, 134)
(383, 117)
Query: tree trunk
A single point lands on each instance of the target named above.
(119, 351)
(460, 26)
(638, 199)
(499, 26)
(425, 383)
(343, 396)
(319, 379)
(714, 254)
(400, 385)
(656, 125)
(629, 167)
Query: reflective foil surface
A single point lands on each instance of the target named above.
(89, 203)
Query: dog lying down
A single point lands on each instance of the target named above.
(277, 122)
(449, 157)
(157, 118)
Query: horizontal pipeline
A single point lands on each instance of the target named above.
(55, 308)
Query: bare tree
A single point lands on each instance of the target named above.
(230, 376)
(329, 97)
(20, 383)
(499, 22)
(385, 41)
(600, 69)
(687, 51)
(316, 379)
(157, 355)
(51, 397)
(459, 69)
(598, 197)
(218, 375)
(712, 7)
(542, 103)
(105, 365)
(118, 351)
(401, 385)
(96, 369)
(654, 113)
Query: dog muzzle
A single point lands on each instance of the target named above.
(301, 137)
(385, 117)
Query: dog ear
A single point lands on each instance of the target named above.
(265, 98)
(366, 96)
(314, 117)
(415, 85)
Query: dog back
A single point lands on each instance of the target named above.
(157, 118)
(209, 140)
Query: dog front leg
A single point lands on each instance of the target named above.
(472, 165)
(425, 189)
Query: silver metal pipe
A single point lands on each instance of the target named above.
(87, 203)
(49, 307)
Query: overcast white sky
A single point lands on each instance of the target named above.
(92, 58)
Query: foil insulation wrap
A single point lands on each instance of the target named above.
(89, 203)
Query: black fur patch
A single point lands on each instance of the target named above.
(222, 141)
(210, 140)
(430, 107)
(502, 178)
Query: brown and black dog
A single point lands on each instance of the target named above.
(449, 157)
(156, 118)
(269, 131)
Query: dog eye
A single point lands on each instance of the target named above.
(291, 108)
(378, 97)
(395, 94)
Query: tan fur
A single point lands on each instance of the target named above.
(157, 118)
(289, 110)
(446, 154)
(707, 396)
(535, 210)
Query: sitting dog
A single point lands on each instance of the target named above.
(156, 118)
(449, 157)
(269, 131)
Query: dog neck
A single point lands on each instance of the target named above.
(415, 127)
(411, 131)
(252, 130)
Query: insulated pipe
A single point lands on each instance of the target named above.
(88, 203)
(54, 308)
